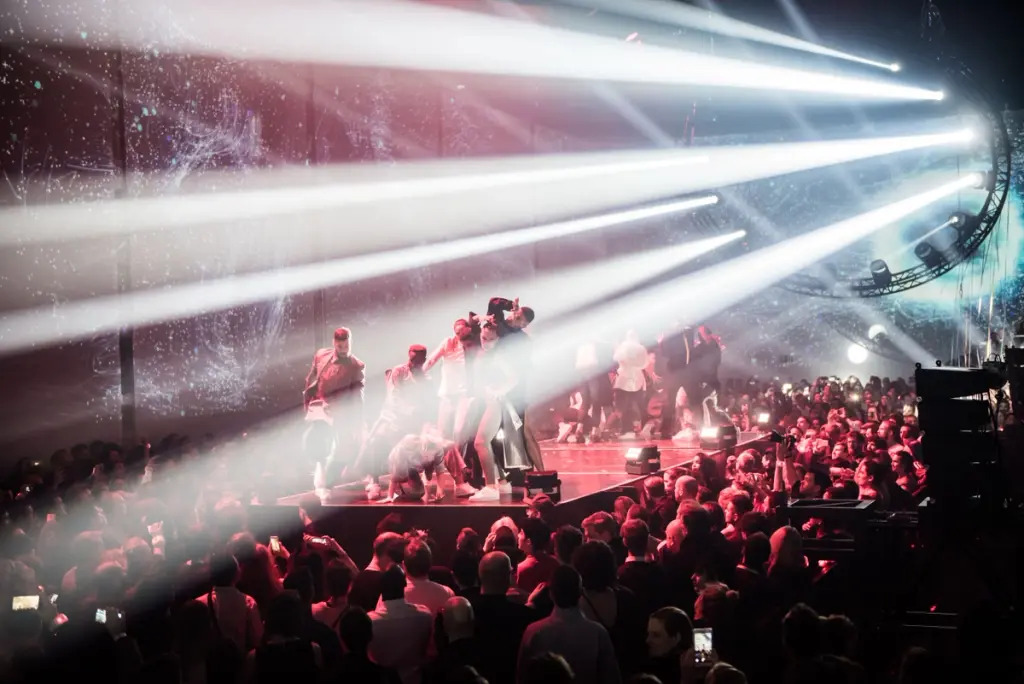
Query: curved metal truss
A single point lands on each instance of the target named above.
(807, 284)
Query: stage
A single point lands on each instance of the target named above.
(592, 476)
(583, 468)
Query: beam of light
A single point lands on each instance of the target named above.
(75, 320)
(857, 354)
(687, 16)
(699, 295)
(406, 35)
(460, 197)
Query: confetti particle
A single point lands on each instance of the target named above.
(84, 34)
(145, 111)
(38, 85)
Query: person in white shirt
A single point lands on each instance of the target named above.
(454, 388)
(234, 615)
(419, 590)
(630, 385)
(401, 630)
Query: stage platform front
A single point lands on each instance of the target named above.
(592, 477)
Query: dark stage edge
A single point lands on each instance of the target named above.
(583, 468)
(593, 476)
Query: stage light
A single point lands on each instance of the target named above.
(984, 181)
(764, 418)
(857, 354)
(876, 330)
(928, 254)
(854, 397)
(721, 437)
(958, 220)
(895, 68)
(643, 460)
(787, 388)
(880, 273)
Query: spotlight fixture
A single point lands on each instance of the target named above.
(880, 273)
(643, 460)
(543, 482)
(857, 354)
(958, 219)
(876, 330)
(764, 418)
(985, 181)
(928, 254)
(895, 68)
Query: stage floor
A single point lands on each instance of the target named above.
(583, 469)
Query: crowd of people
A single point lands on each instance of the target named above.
(138, 564)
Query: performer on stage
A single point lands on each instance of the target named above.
(512, 332)
(417, 466)
(674, 352)
(497, 379)
(703, 373)
(455, 355)
(334, 395)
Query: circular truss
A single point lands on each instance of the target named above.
(998, 179)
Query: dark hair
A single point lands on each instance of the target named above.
(757, 549)
(537, 533)
(677, 623)
(742, 502)
(528, 313)
(565, 587)
(465, 566)
(342, 334)
(418, 558)
(300, 580)
(801, 631)
(284, 615)
(355, 629)
(548, 668)
(602, 522)
(389, 545)
(567, 540)
(716, 514)
(595, 562)
(636, 536)
(392, 522)
(638, 512)
(695, 519)
(223, 570)
(469, 540)
(311, 505)
(655, 486)
(392, 583)
(754, 522)
(338, 578)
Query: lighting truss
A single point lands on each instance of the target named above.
(987, 218)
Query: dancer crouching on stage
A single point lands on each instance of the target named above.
(496, 380)
(336, 377)
(417, 466)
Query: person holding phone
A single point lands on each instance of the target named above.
(669, 636)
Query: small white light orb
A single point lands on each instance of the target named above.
(857, 354)
(876, 330)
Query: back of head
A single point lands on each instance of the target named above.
(392, 584)
(537, 533)
(567, 540)
(595, 562)
(457, 618)
(548, 668)
(695, 519)
(566, 587)
(636, 536)
(655, 486)
(756, 551)
(724, 673)
(687, 487)
(338, 579)
(601, 523)
(223, 570)
(465, 568)
(418, 559)
(918, 667)
(495, 573)
(285, 615)
(801, 631)
(300, 580)
(389, 547)
(355, 629)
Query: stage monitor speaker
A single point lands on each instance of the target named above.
(543, 482)
(643, 460)
(720, 437)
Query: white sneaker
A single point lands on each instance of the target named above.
(504, 488)
(564, 430)
(465, 489)
(627, 435)
(486, 494)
